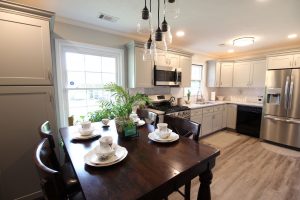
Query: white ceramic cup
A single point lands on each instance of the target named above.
(134, 117)
(162, 127)
(106, 149)
(105, 121)
(86, 125)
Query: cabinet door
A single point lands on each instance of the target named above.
(296, 61)
(217, 121)
(224, 117)
(161, 60)
(143, 70)
(213, 74)
(258, 74)
(197, 119)
(185, 63)
(280, 62)
(25, 108)
(241, 74)
(226, 75)
(231, 116)
(207, 124)
(173, 60)
(25, 51)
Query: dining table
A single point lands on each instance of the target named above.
(151, 170)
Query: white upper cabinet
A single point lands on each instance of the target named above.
(249, 74)
(226, 74)
(173, 60)
(25, 50)
(241, 74)
(185, 63)
(258, 74)
(280, 62)
(297, 60)
(170, 59)
(213, 73)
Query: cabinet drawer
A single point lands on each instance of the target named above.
(218, 108)
(208, 109)
(196, 112)
(197, 119)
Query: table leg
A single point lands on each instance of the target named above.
(204, 188)
(187, 191)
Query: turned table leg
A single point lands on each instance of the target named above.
(204, 188)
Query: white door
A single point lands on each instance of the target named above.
(185, 63)
(258, 74)
(207, 124)
(143, 70)
(280, 62)
(231, 116)
(296, 61)
(25, 50)
(226, 75)
(241, 74)
(24, 109)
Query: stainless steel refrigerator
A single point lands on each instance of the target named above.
(281, 112)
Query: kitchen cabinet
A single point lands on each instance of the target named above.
(212, 119)
(140, 72)
(185, 63)
(169, 59)
(231, 116)
(213, 73)
(196, 115)
(207, 124)
(26, 55)
(249, 74)
(284, 61)
(224, 116)
(226, 74)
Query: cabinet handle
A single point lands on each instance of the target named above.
(50, 97)
(50, 76)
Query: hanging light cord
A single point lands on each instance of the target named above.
(158, 14)
(145, 4)
(150, 5)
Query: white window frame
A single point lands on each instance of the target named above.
(201, 81)
(63, 46)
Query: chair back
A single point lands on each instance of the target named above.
(46, 132)
(50, 179)
(183, 127)
(148, 116)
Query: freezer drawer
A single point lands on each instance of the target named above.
(281, 130)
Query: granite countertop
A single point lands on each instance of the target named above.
(215, 103)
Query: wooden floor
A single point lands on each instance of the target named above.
(247, 171)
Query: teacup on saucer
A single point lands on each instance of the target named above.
(105, 122)
(106, 149)
(86, 132)
(163, 134)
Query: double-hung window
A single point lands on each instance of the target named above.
(83, 71)
(196, 78)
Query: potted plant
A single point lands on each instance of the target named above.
(120, 107)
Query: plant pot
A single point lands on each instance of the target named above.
(126, 129)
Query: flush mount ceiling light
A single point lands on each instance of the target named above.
(292, 36)
(244, 41)
(230, 51)
(180, 33)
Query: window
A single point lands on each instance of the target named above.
(83, 71)
(196, 78)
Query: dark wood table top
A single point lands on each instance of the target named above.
(150, 171)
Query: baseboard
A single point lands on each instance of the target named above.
(31, 196)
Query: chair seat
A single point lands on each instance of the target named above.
(69, 178)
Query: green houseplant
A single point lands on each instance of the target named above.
(120, 108)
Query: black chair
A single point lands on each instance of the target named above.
(51, 179)
(148, 116)
(186, 128)
(66, 169)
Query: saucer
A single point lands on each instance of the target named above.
(92, 159)
(78, 136)
(141, 123)
(105, 126)
(86, 132)
(154, 137)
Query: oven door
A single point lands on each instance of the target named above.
(167, 76)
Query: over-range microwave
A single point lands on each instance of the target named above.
(167, 76)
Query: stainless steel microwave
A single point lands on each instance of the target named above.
(167, 76)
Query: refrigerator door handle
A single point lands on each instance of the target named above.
(291, 92)
(286, 102)
(276, 118)
(293, 121)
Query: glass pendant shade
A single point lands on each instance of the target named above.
(144, 26)
(147, 55)
(172, 9)
(167, 36)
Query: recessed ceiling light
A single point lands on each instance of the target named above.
(244, 41)
(180, 33)
(292, 36)
(230, 51)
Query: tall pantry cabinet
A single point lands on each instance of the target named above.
(26, 95)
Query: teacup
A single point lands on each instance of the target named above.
(134, 117)
(163, 131)
(105, 122)
(106, 149)
(86, 125)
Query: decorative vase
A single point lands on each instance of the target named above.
(125, 129)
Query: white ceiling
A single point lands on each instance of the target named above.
(207, 23)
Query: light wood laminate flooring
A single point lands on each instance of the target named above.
(247, 171)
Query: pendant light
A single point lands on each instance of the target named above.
(158, 33)
(173, 10)
(147, 55)
(166, 29)
(144, 25)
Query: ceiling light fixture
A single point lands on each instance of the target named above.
(292, 36)
(158, 40)
(180, 33)
(230, 51)
(243, 41)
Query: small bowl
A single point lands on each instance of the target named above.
(220, 98)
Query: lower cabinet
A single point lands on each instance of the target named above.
(231, 115)
(207, 124)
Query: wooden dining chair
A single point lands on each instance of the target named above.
(66, 168)
(148, 116)
(186, 128)
(51, 179)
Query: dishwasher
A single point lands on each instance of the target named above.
(249, 120)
